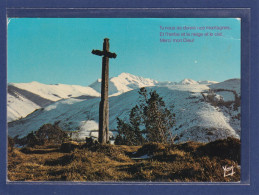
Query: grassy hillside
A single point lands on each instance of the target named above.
(186, 162)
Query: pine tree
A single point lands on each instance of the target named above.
(135, 122)
(152, 116)
(126, 134)
(157, 119)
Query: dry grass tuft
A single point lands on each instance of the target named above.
(166, 163)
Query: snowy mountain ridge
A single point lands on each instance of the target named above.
(188, 82)
(204, 112)
(126, 82)
(57, 91)
(123, 83)
(24, 98)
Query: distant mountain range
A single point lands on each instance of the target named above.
(205, 110)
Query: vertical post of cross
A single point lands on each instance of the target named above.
(104, 103)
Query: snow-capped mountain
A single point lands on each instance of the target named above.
(19, 106)
(193, 82)
(24, 98)
(21, 102)
(188, 82)
(123, 83)
(207, 82)
(57, 91)
(204, 112)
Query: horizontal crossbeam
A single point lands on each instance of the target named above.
(105, 54)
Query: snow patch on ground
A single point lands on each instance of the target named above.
(227, 95)
(87, 129)
(211, 117)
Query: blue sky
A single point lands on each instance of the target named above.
(58, 50)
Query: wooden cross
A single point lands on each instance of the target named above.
(104, 103)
